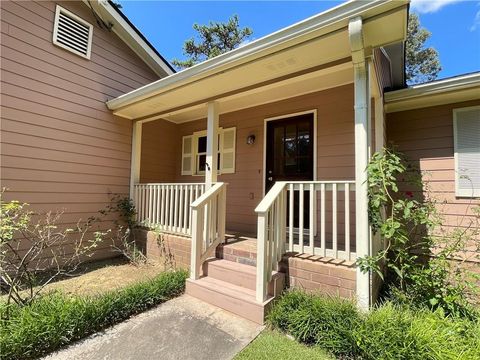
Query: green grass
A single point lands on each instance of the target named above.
(56, 319)
(387, 332)
(274, 345)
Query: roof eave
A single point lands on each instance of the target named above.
(328, 19)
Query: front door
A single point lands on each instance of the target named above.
(290, 154)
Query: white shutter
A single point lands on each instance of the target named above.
(466, 124)
(187, 155)
(227, 148)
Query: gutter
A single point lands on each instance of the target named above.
(333, 18)
(456, 83)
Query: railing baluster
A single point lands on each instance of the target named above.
(300, 215)
(190, 211)
(334, 220)
(275, 237)
(170, 208)
(290, 217)
(162, 208)
(347, 221)
(180, 209)
(185, 210)
(149, 205)
(322, 219)
(312, 226)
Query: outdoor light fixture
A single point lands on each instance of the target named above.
(250, 139)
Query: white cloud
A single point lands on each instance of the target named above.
(430, 6)
(476, 22)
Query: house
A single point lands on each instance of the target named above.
(251, 164)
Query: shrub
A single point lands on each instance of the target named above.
(55, 319)
(418, 253)
(317, 320)
(386, 332)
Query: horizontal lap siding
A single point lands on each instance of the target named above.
(61, 148)
(158, 153)
(425, 136)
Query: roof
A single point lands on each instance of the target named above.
(126, 31)
(438, 92)
(316, 41)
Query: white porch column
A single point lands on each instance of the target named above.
(212, 145)
(136, 156)
(362, 130)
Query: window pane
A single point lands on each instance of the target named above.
(202, 144)
(202, 160)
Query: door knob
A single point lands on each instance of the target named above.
(270, 178)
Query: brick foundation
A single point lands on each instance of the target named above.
(178, 247)
(314, 273)
(307, 272)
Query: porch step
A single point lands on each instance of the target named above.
(236, 299)
(241, 275)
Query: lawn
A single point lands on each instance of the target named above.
(274, 345)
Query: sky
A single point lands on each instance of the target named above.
(454, 24)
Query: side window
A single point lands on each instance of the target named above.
(466, 132)
(194, 152)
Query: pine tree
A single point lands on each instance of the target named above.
(214, 39)
(422, 63)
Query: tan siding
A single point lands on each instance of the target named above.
(159, 147)
(426, 137)
(61, 148)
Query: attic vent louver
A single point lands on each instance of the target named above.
(72, 33)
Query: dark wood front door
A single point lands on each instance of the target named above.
(290, 154)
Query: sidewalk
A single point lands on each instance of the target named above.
(183, 328)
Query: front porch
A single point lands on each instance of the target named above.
(270, 141)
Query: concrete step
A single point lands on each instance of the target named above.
(233, 298)
(241, 275)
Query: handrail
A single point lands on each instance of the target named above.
(208, 226)
(269, 199)
(215, 189)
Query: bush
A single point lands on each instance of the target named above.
(55, 319)
(317, 320)
(386, 332)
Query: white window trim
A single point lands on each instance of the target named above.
(195, 136)
(59, 10)
(466, 193)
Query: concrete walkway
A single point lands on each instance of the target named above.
(183, 328)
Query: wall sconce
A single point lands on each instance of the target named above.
(250, 139)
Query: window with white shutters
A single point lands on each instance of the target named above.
(72, 33)
(194, 152)
(466, 130)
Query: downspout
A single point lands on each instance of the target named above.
(362, 128)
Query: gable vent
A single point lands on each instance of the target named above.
(72, 33)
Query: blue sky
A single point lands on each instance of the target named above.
(454, 24)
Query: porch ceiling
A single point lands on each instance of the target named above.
(309, 56)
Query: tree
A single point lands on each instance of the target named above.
(422, 63)
(214, 39)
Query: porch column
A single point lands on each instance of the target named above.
(362, 130)
(212, 145)
(135, 156)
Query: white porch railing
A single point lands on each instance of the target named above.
(273, 228)
(208, 226)
(166, 206)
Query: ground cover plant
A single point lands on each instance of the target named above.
(55, 319)
(388, 331)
